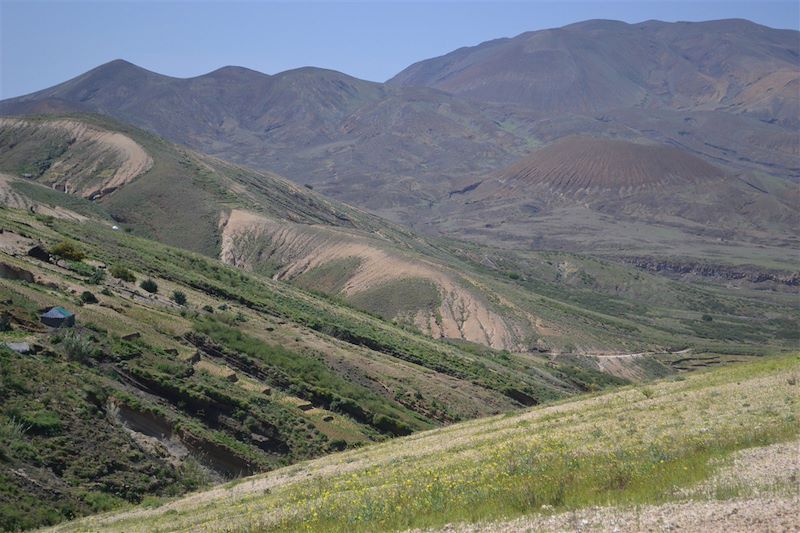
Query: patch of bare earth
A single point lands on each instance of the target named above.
(76, 171)
(756, 471)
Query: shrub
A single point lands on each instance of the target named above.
(120, 272)
(707, 318)
(77, 348)
(42, 422)
(149, 285)
(68, 250)
(96, 277)
(88, 298)
(208, 309)
(106, 291)
(179, 297)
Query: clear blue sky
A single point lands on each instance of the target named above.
(45, 42)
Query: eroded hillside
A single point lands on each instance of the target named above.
(371, 275)
(72, 156)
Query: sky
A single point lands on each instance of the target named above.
(43, 43)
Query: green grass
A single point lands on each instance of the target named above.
(329, 278)
(399, 298)
(620, 448)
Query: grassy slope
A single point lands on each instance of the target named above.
(337, 377)
(632, 446)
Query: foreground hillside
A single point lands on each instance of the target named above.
(182, 371)
(701, 451)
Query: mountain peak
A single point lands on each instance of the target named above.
(234, 72)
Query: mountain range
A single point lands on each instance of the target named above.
(725, 91)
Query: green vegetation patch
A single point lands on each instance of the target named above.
(330, 277)
(399, 297)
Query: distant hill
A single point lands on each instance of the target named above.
(726, 90)
(625, 199)
(731, 65)
(578, 163)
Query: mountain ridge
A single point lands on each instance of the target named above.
(399, 152)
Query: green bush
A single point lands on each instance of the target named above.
(96, 277)
(149, 285)
(707, 318)
(42, 422)
(179, 297)
(77, 348)
(5, 321)
(120, 272)
(88, 298)
(68, 250)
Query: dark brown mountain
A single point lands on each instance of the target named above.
(731, 65)
(314, 125)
